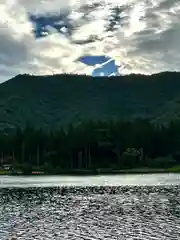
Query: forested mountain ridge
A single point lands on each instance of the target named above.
(62, 99)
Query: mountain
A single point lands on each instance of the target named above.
(62, 99)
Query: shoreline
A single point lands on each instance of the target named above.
(175, 169)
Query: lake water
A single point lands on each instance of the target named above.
(99, 207)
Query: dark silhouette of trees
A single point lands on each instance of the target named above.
(57, 100)
(92, 145)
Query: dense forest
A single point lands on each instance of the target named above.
(93, 145)
(58, 100)
(45, 123)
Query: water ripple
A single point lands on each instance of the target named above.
(91, 213)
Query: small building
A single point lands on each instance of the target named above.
(6, 163)
(7, 167)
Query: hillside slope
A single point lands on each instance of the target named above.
(63, 99)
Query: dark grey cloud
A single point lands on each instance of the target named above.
(12, 51)
(165, 41)
(166, 5)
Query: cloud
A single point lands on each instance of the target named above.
(12, 49)
(147, 40)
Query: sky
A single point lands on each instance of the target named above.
(146, 38)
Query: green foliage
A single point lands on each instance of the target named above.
(58, 100)
(45, 122)
(27, 169)
(93, 145)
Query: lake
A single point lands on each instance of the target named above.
(99, 207)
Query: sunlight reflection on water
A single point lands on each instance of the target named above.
(142, 207)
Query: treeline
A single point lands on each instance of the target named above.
(92, 145)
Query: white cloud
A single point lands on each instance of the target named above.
(147, 40)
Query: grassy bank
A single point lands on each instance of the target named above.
(174, 169)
